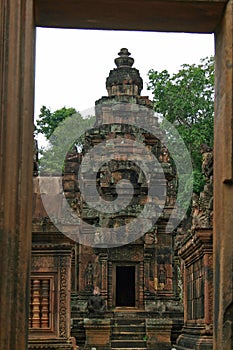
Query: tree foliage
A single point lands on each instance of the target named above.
(64, 130)
(48, 121)
(186, 99)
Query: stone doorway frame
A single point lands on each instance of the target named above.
(18, 19)
(114, 277)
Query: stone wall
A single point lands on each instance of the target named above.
(195, 249)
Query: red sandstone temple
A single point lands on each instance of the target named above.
(139, 281)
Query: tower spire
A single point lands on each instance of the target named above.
(124, 80)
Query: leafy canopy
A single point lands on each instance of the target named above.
(64, 130)
(48, 121)
(186, 99)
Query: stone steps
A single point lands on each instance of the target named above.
(128, 344)
(128, 334)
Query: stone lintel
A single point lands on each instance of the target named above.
(186, 16)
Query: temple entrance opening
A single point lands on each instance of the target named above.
(123, 259)
(125, 286)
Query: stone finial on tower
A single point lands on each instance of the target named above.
(124, 60)
(124, 80)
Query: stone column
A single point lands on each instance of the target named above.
(141, 289)
(149, 295)
(147, 261)
(103, 258)
(223, 185)
(16, 167)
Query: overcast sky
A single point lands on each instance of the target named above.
(72, 65)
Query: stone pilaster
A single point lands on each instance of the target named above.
(223, 184)
(16, 167)
(103, 258)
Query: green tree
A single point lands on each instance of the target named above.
(186, 99)
(63, 129)
(48, 121)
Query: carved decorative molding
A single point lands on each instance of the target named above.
(63, 298)
(126, 254)
(45, 262)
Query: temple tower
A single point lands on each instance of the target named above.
(137, 274)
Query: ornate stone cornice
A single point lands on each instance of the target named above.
(196, 244)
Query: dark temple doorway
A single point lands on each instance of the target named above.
(125, 286)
